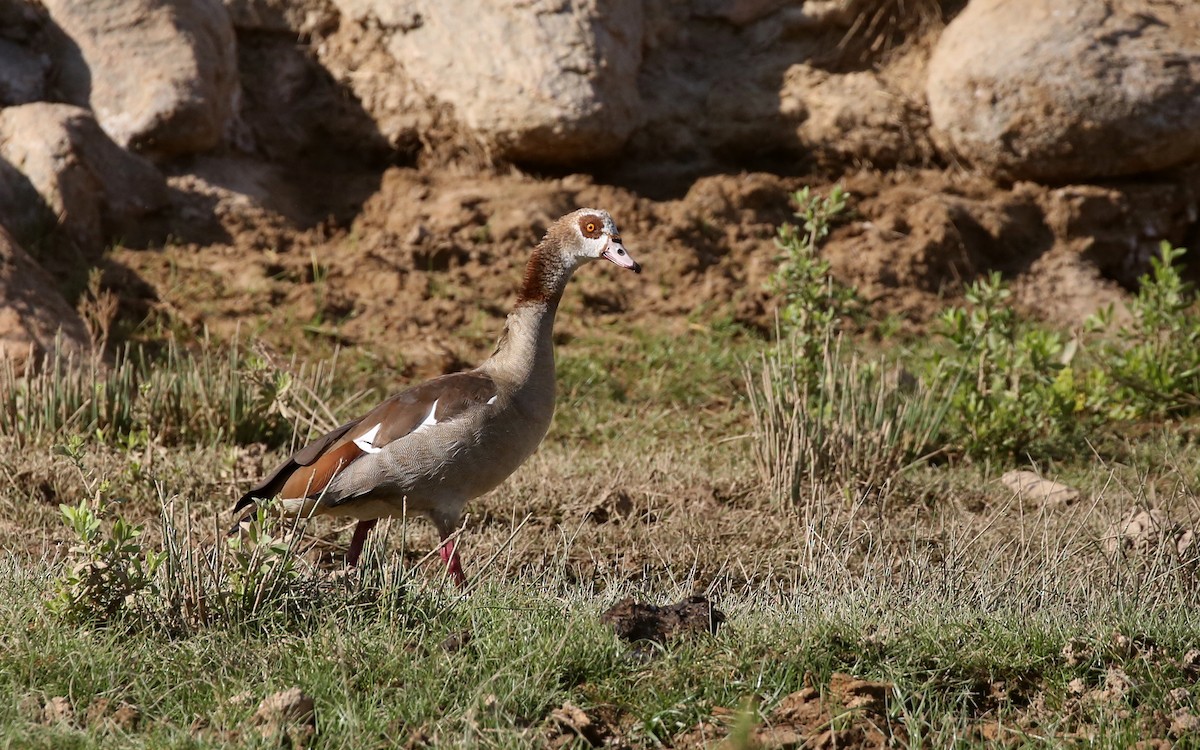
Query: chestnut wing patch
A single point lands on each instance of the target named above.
(272, 485)
(307, 472)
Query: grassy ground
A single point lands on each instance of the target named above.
(982, 615)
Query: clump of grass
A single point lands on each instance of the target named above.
(819, 413)
(212, 395)
(111, 576)
(851, 423)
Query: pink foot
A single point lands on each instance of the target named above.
(449, 554)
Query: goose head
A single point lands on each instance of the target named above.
(595, 236)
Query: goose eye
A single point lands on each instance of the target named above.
(591, 227)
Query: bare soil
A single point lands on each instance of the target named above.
(422, 273)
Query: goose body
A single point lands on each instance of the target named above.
(433, 447)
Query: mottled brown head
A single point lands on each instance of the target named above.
(577, 238)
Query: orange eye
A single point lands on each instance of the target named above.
(591, 227)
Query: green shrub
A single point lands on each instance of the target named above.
(1154, 359)
(820, 415)
(815, 305)
(111, 576)
(108, 572)
(1013, 391)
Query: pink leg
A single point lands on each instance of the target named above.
(449, 554)
(356, 542)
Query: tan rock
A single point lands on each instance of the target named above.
(58, 710)
(1051, 91)
(64, 172)
(1149, 532)
(1031, 487)
(546, 82)
(34, 318)
(161, 76)
(287, 714)
(855, 117)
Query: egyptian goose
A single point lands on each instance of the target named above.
(434, 447)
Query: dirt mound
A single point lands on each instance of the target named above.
(637, 621)
(847, 713)
(424, 272)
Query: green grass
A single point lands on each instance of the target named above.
(944, 636)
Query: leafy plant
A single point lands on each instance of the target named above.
(261, 562)
(1014, 389)
(814, 303)
(1154, 359)
(109, 570)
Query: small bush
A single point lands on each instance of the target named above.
(1154, 360)
(821, 416)
(815, 305)
(109, 572)
(1012, 387)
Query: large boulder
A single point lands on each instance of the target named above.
(161, 75)
(1061, 92)
(34, 318)
(544, 81)
(59, 171)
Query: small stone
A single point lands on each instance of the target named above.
(97, 711)
(1184, 723)
(58, 710)
(288, 714)
(1191, 661)
(127, 717)
(1117, 682)
(1029, 486)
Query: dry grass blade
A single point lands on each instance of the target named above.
(839, 421)
(214, 394)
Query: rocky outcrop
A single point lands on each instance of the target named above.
(34, 318)
(60, 172)
(1054, 92)
(161, 76)
(546, 82)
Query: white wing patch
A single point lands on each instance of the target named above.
(491, 400)
(366, 443)
(430, 419)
